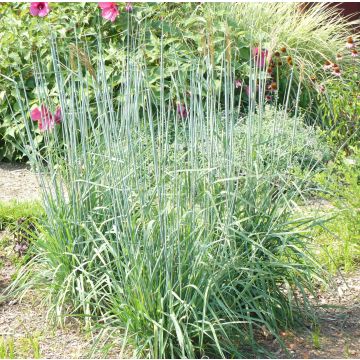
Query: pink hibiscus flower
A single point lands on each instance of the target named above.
(39, 9)
(109, 10)
(45, 119)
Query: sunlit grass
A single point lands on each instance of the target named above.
(170, 227)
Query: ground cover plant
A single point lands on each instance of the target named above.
(169, 214)
(340, 236)
(297, 40)
(11, 212)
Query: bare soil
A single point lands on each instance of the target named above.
(25, 321)
(337, 333)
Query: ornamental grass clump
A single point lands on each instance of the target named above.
(155, 224)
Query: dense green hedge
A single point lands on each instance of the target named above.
(190, 30)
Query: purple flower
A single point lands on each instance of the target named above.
(336, 72)
(260, 56)
(128, 7)
(321, 88)
(45, 118)
(339, 57)
(182, 111)
(328, 65)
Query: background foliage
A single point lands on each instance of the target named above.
(190, 30)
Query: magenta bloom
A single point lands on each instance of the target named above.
(181, 110)
(45, 119)
(109, 10)
(260, 57)
(39, 9)
(128, 7)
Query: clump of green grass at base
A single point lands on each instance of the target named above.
(168, 226)
(20, 347)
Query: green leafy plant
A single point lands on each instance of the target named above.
(11, 212)
(316, 338)
(339, 238)
(7, 348)
(309, 36)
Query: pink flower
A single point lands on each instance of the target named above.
(128, 7)
(354, 53)
(39, 9)
(336, 72)
(45, 119)
(238, 83)
(321, 89)
(339, 57)
(109, 10)
(268, 98)
(328, 65)
(260, 60)
(182, 111)
(57, 115)
(350, 43)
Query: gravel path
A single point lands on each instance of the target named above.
(17, 182)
